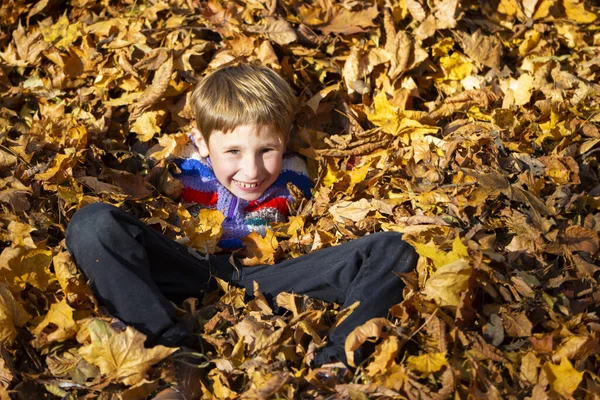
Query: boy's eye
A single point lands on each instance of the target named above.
(233, 151)
(266, 150)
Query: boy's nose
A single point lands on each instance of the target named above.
(251, 167)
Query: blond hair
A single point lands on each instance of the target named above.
(243, 94)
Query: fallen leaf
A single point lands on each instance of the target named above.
(427, 364)
(260, 250)
(578, 238)
(481, 48)
(564, 379)
(64, 327)
(352, 210)
(374, 328)
(20, 266)
(516, 324)
(204, 231)
(439, 257)
(12, 315)
(576, 11)
(447, 284)
(277, 30)
(121, 354)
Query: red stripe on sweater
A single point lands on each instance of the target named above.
(279, 203)
(196, 196)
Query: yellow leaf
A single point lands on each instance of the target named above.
(508, 7)
(19, 234)
(374, 328)
(60, 316)
(385, 116)
(447, 284)
(384, 356)
(69, 278)
(204, 231)
(220, 386)
(522, 88)
(439, 257)
(63, 33)
(543, 9)
(294, 224)
(564, 379)
(20, 266)
(148, 124)
(427, 363)
(170, 144)
(260, 250)
(443, 47)
(333, 174)
(532, 38)
(398, 123)
(553, 129)
(576, 11)
(60, 168)
(394, 377)
(12, 314)
(456, 67)
(121, 354)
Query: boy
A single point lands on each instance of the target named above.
(243, 116)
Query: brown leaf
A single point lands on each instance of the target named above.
(578, 238)
(344, 21)
(516, 324)
(277, 30)
(445, 14)
(481, 48)
(352, 210)
(7, 160)
(156, 90)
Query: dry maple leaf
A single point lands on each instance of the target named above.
(260, 250)
(121, 354)
(481, 48)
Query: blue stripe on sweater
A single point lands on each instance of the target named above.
(192, 167)
(301, 181)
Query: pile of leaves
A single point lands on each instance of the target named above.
(471, 127)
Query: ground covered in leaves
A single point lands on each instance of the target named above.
(471, 127)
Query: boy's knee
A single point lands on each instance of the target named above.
(88, 222)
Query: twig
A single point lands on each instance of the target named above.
(171, 28)
(424, 323)
(455, 185)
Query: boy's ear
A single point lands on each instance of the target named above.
(200, 143)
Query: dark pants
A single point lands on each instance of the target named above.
(135, 271)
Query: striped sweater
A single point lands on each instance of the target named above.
(203, 190)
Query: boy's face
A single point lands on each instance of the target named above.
(246, 160)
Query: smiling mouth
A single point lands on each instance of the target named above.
(248, 185)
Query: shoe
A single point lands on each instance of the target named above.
(188, 367)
